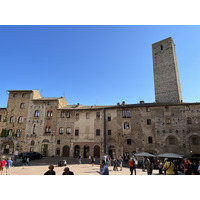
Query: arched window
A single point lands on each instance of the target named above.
(24, 95)
(19, 133)
(37, 113)
(32, 143)
(22, 105)
(12, 119)
(49, 113)
(87, 115)
(150, 140)
(20, 120)
(171, 140)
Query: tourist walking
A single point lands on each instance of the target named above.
(67, 172)
(8, 166)
(168, 167)
(186, 167)
(50, 171)
(143, 164)
(115, 168)
(2, 164)
(79, 159)
(160, 166)
(134, 163)
(131, 165)
(27, 161)
(149, 167)
(93, 160)
(16, 155)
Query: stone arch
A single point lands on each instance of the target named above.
(8, 147)
(194, 144)
(97, 151)
(45, 141)
(66, 150)
(86, 151)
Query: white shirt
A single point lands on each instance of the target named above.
(16, 153)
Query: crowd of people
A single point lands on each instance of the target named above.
(165, 167)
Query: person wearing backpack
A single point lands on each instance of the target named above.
(131, 165)
(168, 167)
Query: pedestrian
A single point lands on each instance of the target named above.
(134, 160)
(16, 155)
(67, 172)
(131, 165)
(8, 166)
(104, 168)
(115, 168)
(168, 167)
(2, 164)
(199, 168)
(23, 160)
(149, 167)
(27, 161)
(186, 167)
(79, 159)
(93, 160)
(160, 166)
(121, 163)
(50, 171)
(143, 164)
(64, 163)
(192, 169)
(109, 160)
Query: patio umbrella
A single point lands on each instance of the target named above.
(170, 155)
(144, 154)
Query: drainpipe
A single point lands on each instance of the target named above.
(104, 139)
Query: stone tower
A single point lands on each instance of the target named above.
(166, 74)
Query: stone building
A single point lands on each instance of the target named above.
(52, 127)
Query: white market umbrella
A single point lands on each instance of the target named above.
(170, 155)
(144, 154)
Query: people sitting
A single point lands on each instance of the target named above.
(67, 172)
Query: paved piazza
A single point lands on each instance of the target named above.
(39, 167)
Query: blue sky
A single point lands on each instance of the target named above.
(90, 65)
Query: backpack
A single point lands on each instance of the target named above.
(130, 163)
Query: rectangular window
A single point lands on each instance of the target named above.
(97, 115)
(109, 132)
(61, 130)
(62, 115)
(128, 141)
(194, 141)
(171, 141)
(87, 115)
(147, 109)
(126, 113)
(68, 114)
(148, 121)
(98, 132)
(77, 116)
(68, 130)
(76, 132)
(126, 125)
(109, 118)
(168, 121)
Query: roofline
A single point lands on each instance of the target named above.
(132, 106)
(20, 90)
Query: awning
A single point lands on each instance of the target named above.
(144, 154)
(170, 155)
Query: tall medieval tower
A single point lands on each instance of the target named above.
(166, 74)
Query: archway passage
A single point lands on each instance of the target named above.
(8, 147)
(76, 151)
(97, 151)
(86, 151)
(111, 151)
(44, 150)
(66, 151)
